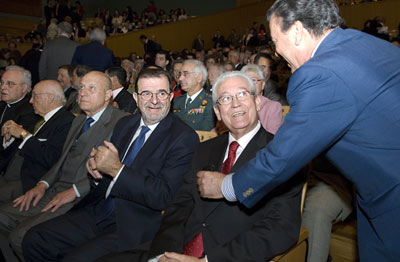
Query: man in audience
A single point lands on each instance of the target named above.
(121, 97)
(65, 76)
(14, 105)
(176, 71)
(150, 47)
(57, 52)
(213, 73)
(270, 113)
(234, 58)
(66, 182)
(135, 183)
(162, 59)
(265, 61)
(94, 55)
(194, 107)
(40, 149)
(196, 227)
(344, 102)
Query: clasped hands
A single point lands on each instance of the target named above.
(104, 160)
(175, 257)
(11, 129)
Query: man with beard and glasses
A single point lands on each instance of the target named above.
(135, 177)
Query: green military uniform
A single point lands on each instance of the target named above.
(199, 114)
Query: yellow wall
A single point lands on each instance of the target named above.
(179, 35)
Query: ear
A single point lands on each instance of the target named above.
(171, 96)
(217, 113)
(258, 103)
(298, 31)
(135, 97)
(108, 96)
(200, 78)
(25, 88)
(167, 62)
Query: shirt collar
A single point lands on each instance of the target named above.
(116, 92)
(51, 113)
(193, 97)
(151, 127)
(97, 115)
(244, 140)
(319, 43)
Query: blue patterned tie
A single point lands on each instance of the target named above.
(86, 126)
(136, 146)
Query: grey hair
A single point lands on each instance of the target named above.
(65, 27)
(58, 93)
(199, 67)
(253, 68)
(228, 75)
(97, 34)
(129, 62)
(317, 16)
(221, 68)
(26, 75)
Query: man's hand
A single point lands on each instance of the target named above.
(175, 257)
(11, 129)
(34, 194)
(209, 184)
(60, 199)
(106, 159)
(91, 166)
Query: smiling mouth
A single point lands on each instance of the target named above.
(237, 114)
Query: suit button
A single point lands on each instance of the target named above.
(204, 224)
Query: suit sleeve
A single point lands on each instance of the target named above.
(322, 110)
(275, 231)
(154, 186)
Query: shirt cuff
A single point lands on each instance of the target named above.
(227, 188)
(76, 191)
(110, 186)
(24, 141)
(154, 259)
(44, 182)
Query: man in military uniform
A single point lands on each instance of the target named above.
(194, 107)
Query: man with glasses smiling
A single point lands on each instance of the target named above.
(15, 87)
(194, 107)
(138, 172)
(194, 227)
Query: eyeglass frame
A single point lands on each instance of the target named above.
(241, 98)
(154, 93)
(9, 83)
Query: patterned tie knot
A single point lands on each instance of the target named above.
(86, 125)
(226, 167)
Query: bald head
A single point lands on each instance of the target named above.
(95, 92)
(47, 95)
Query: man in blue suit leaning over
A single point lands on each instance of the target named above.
(344, 100)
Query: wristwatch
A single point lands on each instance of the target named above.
(23, 134)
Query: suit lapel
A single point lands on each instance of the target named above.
(260, 140)
(48, 125)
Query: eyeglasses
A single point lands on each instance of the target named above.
(161, 95)
(185, 73)
(34, 95)
(255, 80)
(8, 83)
(227, 99)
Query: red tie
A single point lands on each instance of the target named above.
(227, 165)
(195, 246)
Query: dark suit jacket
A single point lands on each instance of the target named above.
(198, 44)
(42, 151)
(125, 101)
(344, 100)
(94, 55)
(230, 231)
(146, 187)
(56, 53)
(22, 113)
(152, 47)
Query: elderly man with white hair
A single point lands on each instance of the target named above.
(94, 55)
(194, 107)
